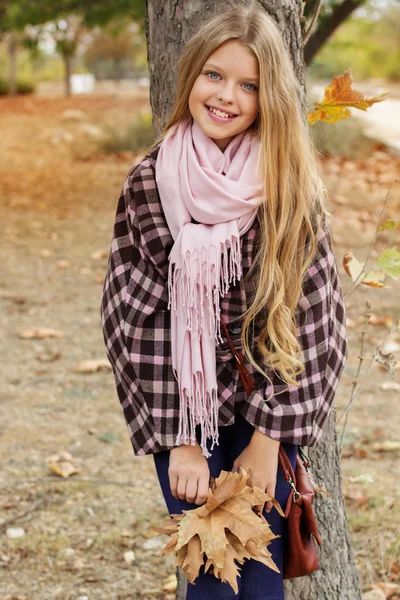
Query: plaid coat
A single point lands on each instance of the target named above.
(136, 329)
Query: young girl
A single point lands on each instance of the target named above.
(227, 203)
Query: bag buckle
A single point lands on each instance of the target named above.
(295, 492)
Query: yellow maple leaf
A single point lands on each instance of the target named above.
(223, 530)
(338, 98)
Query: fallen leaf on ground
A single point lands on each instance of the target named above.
(387, 446)
(355, 451)
(90, 366)
(63, 264)
(390, 386)
(224, 529)
(98, 254)
(50, 356)
(62, 464)
(378, 320)
(389, 589)
(39, 333)
(64, 468)
(356, 493)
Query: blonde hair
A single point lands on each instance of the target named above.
(293, 189)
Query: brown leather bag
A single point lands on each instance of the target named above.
(300, 553)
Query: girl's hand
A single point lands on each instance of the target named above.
(189, 473)
(260, 459)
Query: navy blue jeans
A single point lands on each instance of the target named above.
(255, 581)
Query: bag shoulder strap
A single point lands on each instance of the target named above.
(249, 385)
(247, 380)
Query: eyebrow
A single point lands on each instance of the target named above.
(219, 69)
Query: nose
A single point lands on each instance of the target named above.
(226, 92)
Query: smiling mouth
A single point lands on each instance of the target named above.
(222, 114)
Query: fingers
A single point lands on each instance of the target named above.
(236, 469)
(181, 488)
(173, 483)
(270, 490)
(193, 490)
(202, 490)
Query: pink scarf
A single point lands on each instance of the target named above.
(222, 192)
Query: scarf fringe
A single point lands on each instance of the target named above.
(187, 283)
(194, 291)
(198, 408)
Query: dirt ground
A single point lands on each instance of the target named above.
(89, 536)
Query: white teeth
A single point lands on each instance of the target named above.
(219, 113)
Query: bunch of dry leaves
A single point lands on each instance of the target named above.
(224, 529)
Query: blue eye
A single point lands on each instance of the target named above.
(254, 87)
(211, 73)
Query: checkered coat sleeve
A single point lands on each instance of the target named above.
(136, 329)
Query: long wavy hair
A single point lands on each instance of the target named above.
(292, 186)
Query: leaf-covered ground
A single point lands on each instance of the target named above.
(89, 536)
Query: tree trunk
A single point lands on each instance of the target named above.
(340, 13)
(12, 57)
(67, 74)
(169, 24)
(337, 577)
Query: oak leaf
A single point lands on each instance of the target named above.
(223, 530)
(338, 97)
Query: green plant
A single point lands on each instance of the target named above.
(23, 87)
(120, 137)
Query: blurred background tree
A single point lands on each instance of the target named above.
(68, 19)
(368, 42)
(114, 50)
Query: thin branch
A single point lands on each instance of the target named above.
(314, 19)
(361, 357)
(375, 354)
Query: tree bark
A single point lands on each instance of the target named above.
(169, 24)
(12, 57)
(67, 74)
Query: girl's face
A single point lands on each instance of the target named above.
(228, 81)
